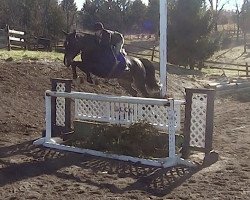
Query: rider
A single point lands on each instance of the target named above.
(112, 39)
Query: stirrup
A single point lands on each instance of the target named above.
(126, 68)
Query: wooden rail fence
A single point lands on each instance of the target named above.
(240, 67)
(16, 39)
(153, 52)
(10, 38)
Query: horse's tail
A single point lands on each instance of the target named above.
(151, 81)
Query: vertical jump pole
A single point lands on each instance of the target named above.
(163, 46)
(48, 118)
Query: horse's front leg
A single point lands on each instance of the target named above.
(126, 83)
(73, 68)
(89, 78)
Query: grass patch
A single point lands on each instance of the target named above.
(22, 55)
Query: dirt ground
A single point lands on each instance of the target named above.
(30, 172)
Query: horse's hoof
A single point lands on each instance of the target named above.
(81, 80)
(96, 82)
(90, 81)
(76, 81)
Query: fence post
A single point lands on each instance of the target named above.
(247, 72)
(25, 41)
(153, 54)
(8, 37)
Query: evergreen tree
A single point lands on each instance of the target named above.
(110, 13)
(89, 13)
(36, 17)
(153, 16)
(70, 10)
(136, 15)
(56, 22)
(189, 33)
(245, 17)
(124, 9)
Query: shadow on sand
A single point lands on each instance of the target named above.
(156, 181)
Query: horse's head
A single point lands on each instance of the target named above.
(72, 48)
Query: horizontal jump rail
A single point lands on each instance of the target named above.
(121, 99)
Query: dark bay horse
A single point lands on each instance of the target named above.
(99, 61)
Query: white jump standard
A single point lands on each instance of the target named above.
(172, 160)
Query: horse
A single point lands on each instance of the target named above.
(99, 61)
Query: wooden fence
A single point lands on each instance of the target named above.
(235, 67)
(16, 39)
(10, 38)
(151, 52)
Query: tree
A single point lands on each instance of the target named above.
(110, 13)
(189, 33)
(238, 18)
(36, 17)
(153, 17)
(245, 16)
(124, 6)
(136, 15)
(70, 10)
(89, 13)
(216, 7)
(56, 22)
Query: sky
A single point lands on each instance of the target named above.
(230, 5)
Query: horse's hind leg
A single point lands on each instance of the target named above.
(139, 77)
(127, 85)
(150, 80)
